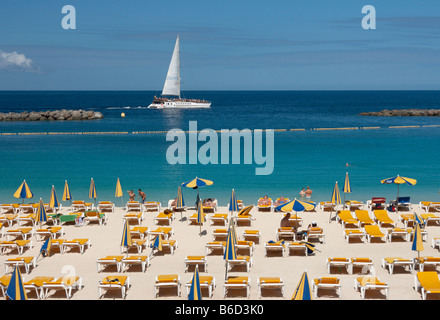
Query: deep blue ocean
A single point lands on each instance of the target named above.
(302, 158)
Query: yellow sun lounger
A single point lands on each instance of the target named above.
(36, 284)
(406, 219)
(114, 283)
(4, 283)
(274, 247)
(264, 207)
(245, 245)
(234, 282)
(338, 262)
(219, 218)
(214, 246)
(382, 218)
(428, 217)
(244, 219)
(166, 233)
(430, 206)
(8, 218)
(428, 282)
(354, 205)
(25, 218)
(26, 262)
(137, 231)
(152, 206)
(398, 232)
(196, 260)
(207, 282)
(285, 233)
(219, 233)
(428, 261)
(18, 245)
(162, 217)
(295, 220)
(81, 244)
(143, 261)
(92, 216)
(270, 283)
(365, 263)
(139, 244)
(193, 219)
(296, 247)
(63, 283)
(106, 206)
(315, 233)
(167, 281)
(101, 263)
(7, 208)
(24, 233)
(326, 283)
(372, 231)
(391, 262)
(354, 233)
(170, 244)
(370, 283)
(252, 235)
(345, 217)
(363, 217)
(133, 206)
(240, 260)
(134, 216)
(52, 232)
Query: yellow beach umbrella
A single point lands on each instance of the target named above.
(399, 180)
(336, 198)
(126, 240)
(53, 203)
(195, 292)
(417, 244)
(302, 291)
(92, 190)
(16, 290)
(41, 213)
(118, 191)
(347, 186)
(23, 191)
(67, 195)
(200, 215)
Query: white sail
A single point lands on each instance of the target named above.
(172, 82)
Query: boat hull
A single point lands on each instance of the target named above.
(180, 105)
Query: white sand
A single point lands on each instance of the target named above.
(106, 239)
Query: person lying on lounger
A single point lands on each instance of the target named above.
(280, 201)
(264, 201)
(208, 202)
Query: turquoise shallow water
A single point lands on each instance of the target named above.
(314, 158)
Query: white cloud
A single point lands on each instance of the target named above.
(16, 61)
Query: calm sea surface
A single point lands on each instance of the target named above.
(302, 158)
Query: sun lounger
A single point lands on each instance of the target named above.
(285, 233)
(173, 207)
(206, 282)
(296, 247)
(18, 245)
(423, 233)
(214, 246)
(26, 218)
(196, 260)
(80, 206)
(166, 233)
(354, 233)
(27, 208)
(435, 242)
(63, 283)
(193, 218)
(211, 208)
(404, 203)
(52, 232)
(219, 218)
(169, 244)
(406, 219)
(274, 247)
(295, 220)
(24, 233)
(270, 283)
(234, 282)
(245, 245)
(219, 233)
(139, 244)
(428, 217)
(76, 217)
(101, 263)
(353, 205)
(91, 216)
(429, 206)
(36, 284)
(326, 283)
(51, 210)
(240, 260)
(376, 203)
(244, 219)
(428, 282)
(137, 231)
(152, 206)
(135, 206)
(114, 283)
(106, 206)
(372, 231)
(167, 281)
(7, 208)
(365, 263)
(363, 217)
(253, 235)
(328, 206)
(134, 216)
(391, 262)
(57, 244)
(264, 207)
(427, 261)
(81, 244)
(315, 233)
(26, 262)
(143, 261)
(345, 217)
(163, 217)
(338, 262)
(370, 283)
(382, 218)
(8, 218)
(4, 283)
(398, 232)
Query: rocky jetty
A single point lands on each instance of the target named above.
(54, 115)
(404, 113)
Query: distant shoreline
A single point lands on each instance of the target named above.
(404, 113)
(54, 115)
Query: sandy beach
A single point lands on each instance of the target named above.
(105, 240)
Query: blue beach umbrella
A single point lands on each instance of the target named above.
(197, 183)
(417, 244)
(296, 205)
(157, 244)
(53, 203)
(336, 198)
(92, 190)
(67, 195)
(23, 191)
(126, 236)
(16, 289)
(230, 251)
(399, 180)
(302, 291)
(41, 213)
(195, 292)
(45, 249)
(200, 215)
(233, 203)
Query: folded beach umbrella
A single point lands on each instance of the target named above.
(67, 195)
(200, 215)
(399, 180)
(302, 291)
(230, 252)
(336, 198)
(16, 289)
(23, 191)
(245, 210)
(195, 292)
(53, 203)
(233, 203)
(92, 190)
(180, 203)
(126, 236)
(41, 213)
(157, 244)
(417, 244)
(45, 249)
(118, 191)
(347, 186)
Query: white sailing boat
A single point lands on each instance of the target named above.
(170, 97)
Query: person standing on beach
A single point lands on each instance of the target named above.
(302, 193)
(131, 195)
(308, 192)
(142, 195)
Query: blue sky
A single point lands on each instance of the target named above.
(225, 45)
